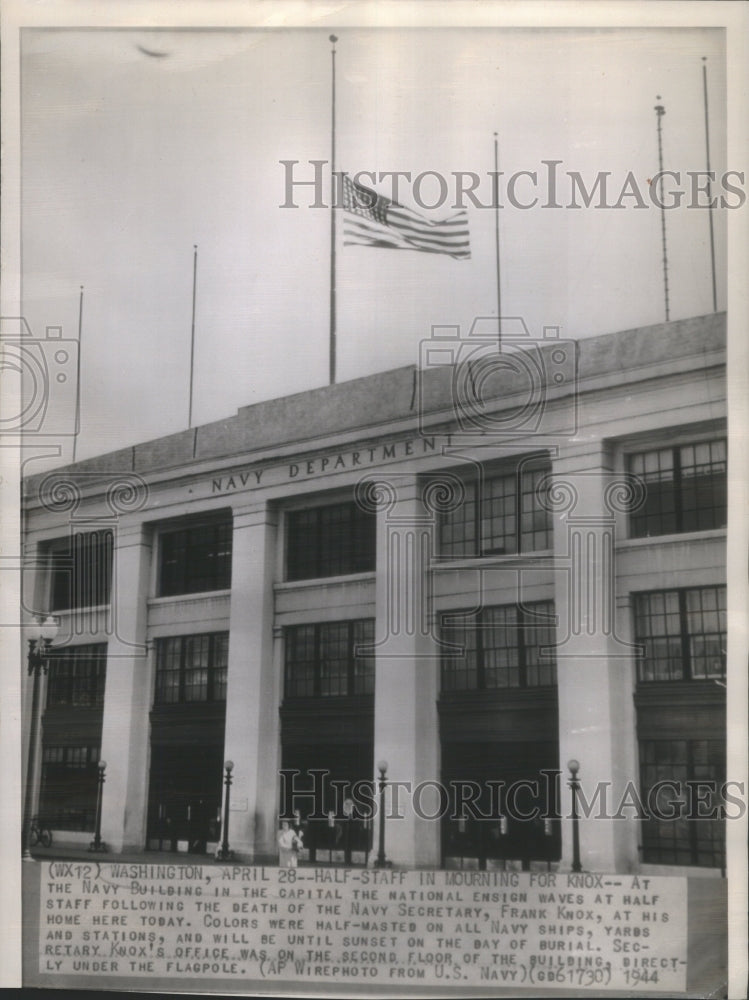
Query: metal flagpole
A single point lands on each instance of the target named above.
(78, 376)
(709, 185)
(192, 332)
(659, 113)
(333, 39)
(496, 240)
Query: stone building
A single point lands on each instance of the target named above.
(475, 570)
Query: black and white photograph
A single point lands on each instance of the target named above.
(373, 419)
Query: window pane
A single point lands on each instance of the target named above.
(364, 666)
(536, 525)
(337, 539)
(499, 516)
(196, 668)
(685, 489)
(220, 665)
(77, 675)
(459, 664)
(684, 840)
(321, 659)
(703, 485)
(81, 570)
(191, 668)
(300, 661)
(681, 644)
(539, 644)
(510, 517)
(499, 639)
(195, 559)
(334, 641)
(457, 528)
(67, 798)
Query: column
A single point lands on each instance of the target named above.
(594, 665)
(127, 693)
(407, 670)
(252, 739)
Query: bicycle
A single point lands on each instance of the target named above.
(40, 834)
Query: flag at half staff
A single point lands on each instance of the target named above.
(372, 220)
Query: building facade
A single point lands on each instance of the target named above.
(475, 570)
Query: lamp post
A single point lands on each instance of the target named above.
(97, 844)
(380, 861)
(223, 853)
(574, 785)
(39, 636)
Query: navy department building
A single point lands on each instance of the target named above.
(476, 570)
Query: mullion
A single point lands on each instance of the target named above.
(350, 658)
(479, 499)
(480, 671)
(520, 641)
(678, 503)
(317, 675)
(209, 670)
(686, 660)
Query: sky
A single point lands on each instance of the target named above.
(139, 144)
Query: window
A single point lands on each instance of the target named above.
(500, 647)
(191, 668)
(330, 541)
(322, 660)
(506, 516)
(76, 677)
(691, 838)
(686, 489)
(69, 786)
(683, 634)
(195, 559)
(81, 571)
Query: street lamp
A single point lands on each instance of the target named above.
(97, 844)
(39, 636)
(574, 785)
(223, 853)
(380, 861)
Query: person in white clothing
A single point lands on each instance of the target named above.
(289, 845)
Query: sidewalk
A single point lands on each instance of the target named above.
(75, 852)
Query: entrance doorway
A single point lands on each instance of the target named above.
(184, 811)
(327, 772)
(510, 794)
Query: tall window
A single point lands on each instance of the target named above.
(324, 659)
(67, 798)
(686, 489)
(683, 634)
(500, 647)
(191, 668)
(506, 515)
(195, 558)
(81, 570)
(76, 677)
(330, 541)
(691, 838)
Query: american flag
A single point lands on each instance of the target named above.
(375, 221)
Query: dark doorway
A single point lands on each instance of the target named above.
(184, 811)
(327, 774)
(502, 785)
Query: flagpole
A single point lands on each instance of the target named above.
(78, 376)
(192, 331)
(333, 39)
(659, 113)
(496, 240)
(709, 185)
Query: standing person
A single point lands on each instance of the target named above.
(289, 844)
